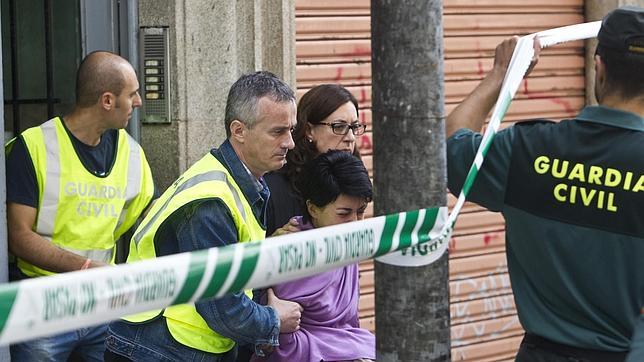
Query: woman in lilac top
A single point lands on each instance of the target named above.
(336, 188)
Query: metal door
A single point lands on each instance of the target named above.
(43, 43)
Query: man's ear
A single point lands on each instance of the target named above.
(600, 70)
(238, 131)
(107, 101)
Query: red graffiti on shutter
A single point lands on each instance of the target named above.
(365, 143)
(338, 74)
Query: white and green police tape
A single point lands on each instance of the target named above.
(47, 305)
(519, 64)
(43, 306)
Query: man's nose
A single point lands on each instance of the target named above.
(137, 101)
(290, 144)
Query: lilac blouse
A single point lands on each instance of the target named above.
(329, 328)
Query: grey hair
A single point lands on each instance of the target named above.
(245, 93)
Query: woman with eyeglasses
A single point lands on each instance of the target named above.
(327, 119)
(336, 189)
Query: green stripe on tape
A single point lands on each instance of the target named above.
(7, 297)
(469, 181)
(471, 176)
(387, 234)
(427, 225)
(249, 262)
(410, 222)
(505, 104)
(196, 269)
(222, 267)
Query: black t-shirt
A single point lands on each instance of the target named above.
(22, 186)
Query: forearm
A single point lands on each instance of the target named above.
(471, 113)
(36, 250)
(240, 319)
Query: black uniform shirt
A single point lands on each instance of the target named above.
(22, 186)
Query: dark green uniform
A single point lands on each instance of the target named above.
(637, 347)
(572, 195)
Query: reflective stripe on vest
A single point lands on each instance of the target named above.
(133, 187)
(49, 198)
(206, 179)
(78, 211)
(194, 181)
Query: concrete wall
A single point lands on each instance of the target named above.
(595, 10)
(211, 44)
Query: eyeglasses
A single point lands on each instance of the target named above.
(341, 128)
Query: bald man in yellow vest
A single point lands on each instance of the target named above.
(75, 184)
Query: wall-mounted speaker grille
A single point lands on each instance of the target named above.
(155, 75)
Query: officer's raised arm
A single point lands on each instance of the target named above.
(472, 111)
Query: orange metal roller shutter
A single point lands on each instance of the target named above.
(333, 46)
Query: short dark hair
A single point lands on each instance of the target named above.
(314, 106)
(99, 72)
(245, 93)
(331, 174)
(624, 72)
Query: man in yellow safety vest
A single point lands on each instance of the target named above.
(75, 184)
(220, 200)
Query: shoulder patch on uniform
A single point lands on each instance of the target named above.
(534, 121)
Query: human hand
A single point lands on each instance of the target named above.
(288, 312)
(503, 54)
(292, 226)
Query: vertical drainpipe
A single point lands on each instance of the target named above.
(4, 351)
(49, 58)
(15, 90)
(131, 28)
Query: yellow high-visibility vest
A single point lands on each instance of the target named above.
(77, 210)
(206, 179)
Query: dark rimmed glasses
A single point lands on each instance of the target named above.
(341, 128)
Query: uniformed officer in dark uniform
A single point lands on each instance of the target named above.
(572, 195)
